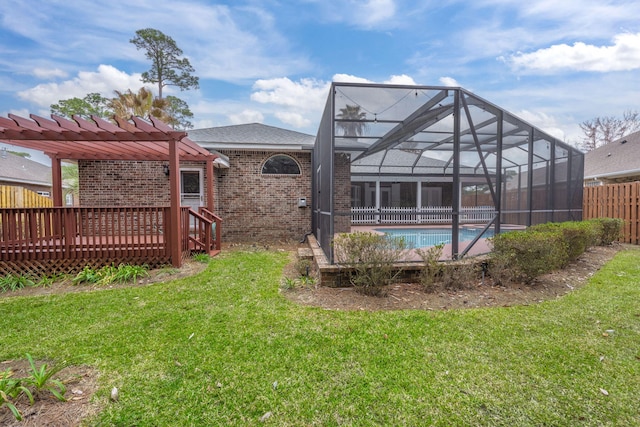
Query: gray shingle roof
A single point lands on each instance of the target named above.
(617, 158)
(251, 135)
(18, 169)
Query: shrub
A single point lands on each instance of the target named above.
(459, 275)
(529, 253)
(370, 260)
(432, 267)
(578, 235)
(608, 230)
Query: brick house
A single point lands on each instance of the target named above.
(263, 185)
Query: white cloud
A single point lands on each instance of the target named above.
(402, 79)
(449, 81)
(306, 94)
(543, 121)
(104, 81)
(366, 14)
(49, 73)
(622, 55)
(246, 116)
(375, 12)
(300, 103)
(294, 119)
(348, 78)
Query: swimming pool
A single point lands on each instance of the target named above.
(425, 237)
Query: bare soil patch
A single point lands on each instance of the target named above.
(480, 294)
(47, 411)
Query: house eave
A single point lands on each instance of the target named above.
(254, 147)
(616, 174)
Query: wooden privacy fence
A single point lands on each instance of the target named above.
(615, 201)
(18, 197)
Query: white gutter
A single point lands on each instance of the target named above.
(614, 174)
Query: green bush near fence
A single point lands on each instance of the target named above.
(527, 254)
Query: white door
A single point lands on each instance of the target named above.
(191, 189)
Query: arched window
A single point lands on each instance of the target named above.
(281, 164)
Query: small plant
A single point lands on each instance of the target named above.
(41, 379)
(307, 281)
(432, 267)
(47, 281)
(10, 389)
(87, 275)
(201, 257)
(111, 274)
(288, 283)
(13, 283)
(370, 260)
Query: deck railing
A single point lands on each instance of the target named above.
(424, 215)
(202, 231)
(32, 234)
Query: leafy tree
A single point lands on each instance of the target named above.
(353, 124)
(167, 68)
(603, 130)
(179, 113)
(92, 104)
(70, 178)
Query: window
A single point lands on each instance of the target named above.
(280, 164)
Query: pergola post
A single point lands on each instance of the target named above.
(210, 184)
(56, 181)
(175, 233)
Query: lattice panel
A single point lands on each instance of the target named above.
(70, 266)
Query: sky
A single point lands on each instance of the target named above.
(553, 63)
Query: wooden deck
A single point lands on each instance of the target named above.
(56, 240)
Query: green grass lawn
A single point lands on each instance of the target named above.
(224, 348)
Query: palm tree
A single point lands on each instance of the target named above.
(127, 104)
(352, 120)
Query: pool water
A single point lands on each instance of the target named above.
(425, 237)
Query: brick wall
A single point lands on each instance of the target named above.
(122, 183)
(126, 183)
(342, 192)
(256, 207)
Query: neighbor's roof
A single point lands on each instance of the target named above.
(616, 159)
(21, 170)
(254, 136)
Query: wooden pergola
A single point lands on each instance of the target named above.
(98, 139)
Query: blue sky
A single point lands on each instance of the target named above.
(552, 63)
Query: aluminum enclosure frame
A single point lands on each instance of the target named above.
(431, 137)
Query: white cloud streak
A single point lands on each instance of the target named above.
(104, 81)
(622, 55)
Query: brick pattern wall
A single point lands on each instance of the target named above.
(342, 192)
(122, 183)
(127, 183)
(254, 207)
(264, 208)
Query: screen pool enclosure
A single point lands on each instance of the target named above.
(390, 155)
